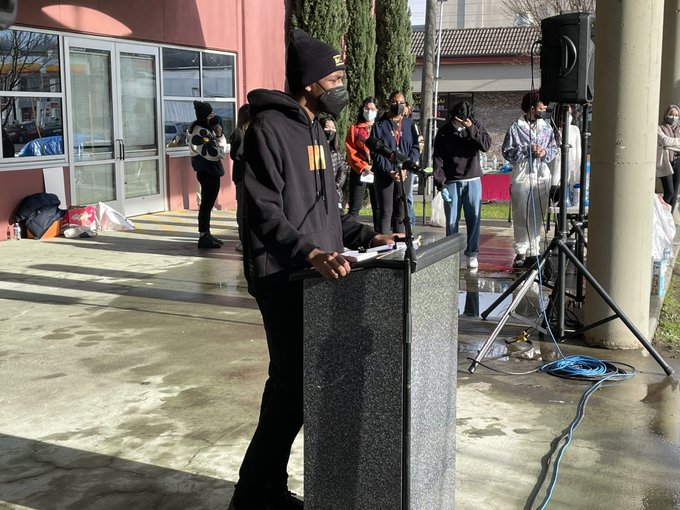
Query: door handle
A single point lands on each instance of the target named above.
(122, 149)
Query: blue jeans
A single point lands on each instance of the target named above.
(465, 196)
(409, 198)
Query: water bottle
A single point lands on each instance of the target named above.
(576, 194)
(587, 188)
(17, 232)
(495, 163)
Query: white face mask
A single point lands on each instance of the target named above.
(370, 115)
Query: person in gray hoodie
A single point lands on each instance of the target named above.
(291, 221)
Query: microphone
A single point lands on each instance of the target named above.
(377, 145)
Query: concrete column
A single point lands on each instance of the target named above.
(627, 80)
(670, 61)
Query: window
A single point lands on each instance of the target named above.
(190, 75)
(31, 95)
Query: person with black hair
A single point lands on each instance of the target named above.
(574, 153)
(337, 157)
(290, 222)
(360, 161)
(458, 173)
(7, 145)
(208, 147)
(668, 154)
(529, 146)
(236, 155)
(400, 134)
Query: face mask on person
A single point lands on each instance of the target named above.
(370, 115)
(397, 109)
(332, 101)
(330, 134)
(672, 119)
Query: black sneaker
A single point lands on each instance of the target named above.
(518, 263)
(285, 501)
(207, 241)
(218, 241)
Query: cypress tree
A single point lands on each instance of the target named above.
(394, 60)
(360, 58)
(326, 20)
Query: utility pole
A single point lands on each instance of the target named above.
(427, 81)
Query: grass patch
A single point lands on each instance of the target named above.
(490, 210)
(668, 329)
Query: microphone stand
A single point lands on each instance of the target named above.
(410, 255)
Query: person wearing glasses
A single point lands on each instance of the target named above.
(360, 162)
(399, 133)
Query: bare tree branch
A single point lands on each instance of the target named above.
(531, 12)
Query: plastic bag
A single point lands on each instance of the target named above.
(438, 218)
(663, 229)
(110, 219)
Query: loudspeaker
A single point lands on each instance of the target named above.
(8, 13)
(568, 58)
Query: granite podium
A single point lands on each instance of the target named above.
(380, 361)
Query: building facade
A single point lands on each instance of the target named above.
(489, 67)
(95, 96)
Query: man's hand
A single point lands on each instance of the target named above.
(537, 150)
(383, 239)
(465, 122)
(331, 265)
(218, 130)
(398, 176)
(368, 169)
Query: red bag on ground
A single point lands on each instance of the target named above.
(81, 216)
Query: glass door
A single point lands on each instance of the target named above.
(115, 102)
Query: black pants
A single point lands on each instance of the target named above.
(239, 208)
(391, 206)
(210, 188)
(357, 192)
(670, 185)
(264, 466)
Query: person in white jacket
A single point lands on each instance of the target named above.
(529, 146)
(573, 155)
(208, 147)
(668, 154)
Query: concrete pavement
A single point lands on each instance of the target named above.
(132, 364)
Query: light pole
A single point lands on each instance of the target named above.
(432, 124)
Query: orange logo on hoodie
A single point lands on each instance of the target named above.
(317, 157)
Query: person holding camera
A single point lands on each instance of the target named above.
(458, 172)
(208, 147)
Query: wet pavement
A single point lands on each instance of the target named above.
(132, 366)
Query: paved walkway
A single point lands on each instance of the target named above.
(132, 364)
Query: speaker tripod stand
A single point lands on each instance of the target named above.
(560, 247)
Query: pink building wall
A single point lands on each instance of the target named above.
(253, 29)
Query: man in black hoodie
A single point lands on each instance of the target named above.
(458, 173)
(291, 222)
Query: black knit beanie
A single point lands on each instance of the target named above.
(309, 60)
(202, 109)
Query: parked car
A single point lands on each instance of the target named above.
(175, 133)
(22, 132)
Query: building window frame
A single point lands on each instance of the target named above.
(224, 106)
(24, 162)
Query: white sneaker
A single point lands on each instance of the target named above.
(472, 262)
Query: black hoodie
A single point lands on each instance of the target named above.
(290, 199)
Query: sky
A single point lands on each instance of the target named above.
(417, 11)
